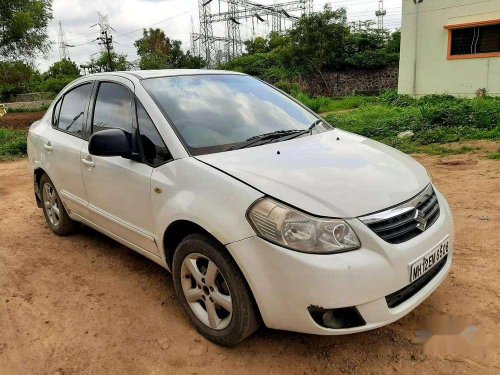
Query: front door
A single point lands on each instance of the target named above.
(63, 143)
(118, 189)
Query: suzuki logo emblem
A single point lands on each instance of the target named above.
(419, 218)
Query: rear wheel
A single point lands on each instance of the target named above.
(212, 291)
(53, 209)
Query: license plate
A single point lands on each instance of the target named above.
(422, 265)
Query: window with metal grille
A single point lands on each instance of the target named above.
(475, 40)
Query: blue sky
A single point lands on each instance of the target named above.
(128, 17)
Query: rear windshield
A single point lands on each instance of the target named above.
(212, 113)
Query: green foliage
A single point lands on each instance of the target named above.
(23, 28)
(12, 143)
(63, 68)
(15, 78)
(319, 42)
(393, 98)
(433, 119)
(54, 84)
(348, 103)
(371, 49)
(39, 108)
(157, 51)
(118, 62)
(494, 155)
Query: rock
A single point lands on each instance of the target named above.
(197, 349)
(406, 134)
(484, 217)
(164, 342)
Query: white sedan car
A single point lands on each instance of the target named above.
(262, 211)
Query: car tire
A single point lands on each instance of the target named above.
(53, 209)
(226, 328)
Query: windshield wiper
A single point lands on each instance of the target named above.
(309, 130)
(264, 137)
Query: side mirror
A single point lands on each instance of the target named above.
(111, 142)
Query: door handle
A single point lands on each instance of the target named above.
(88, 163)
(48, 146)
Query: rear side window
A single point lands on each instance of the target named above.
(55, 114)
(113, 108)
(154, 149)
(72, 110)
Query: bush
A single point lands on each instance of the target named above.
(432, 119)
(393, 98)
(54, 84)
(12, 143)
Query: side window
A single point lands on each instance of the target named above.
(55, 113)
(72, 109)
(113, 108)
(155, 151)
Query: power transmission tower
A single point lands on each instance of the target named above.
(194, 40)
(380, 13)
(63, 46)
(105, 39)
(234, 45)
(232, 13)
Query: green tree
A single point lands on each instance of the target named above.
(394, 42)
(15, 78)
(317, 43)
(64, 68)
(118, 62)
(23, 28)
(318, 40)
(157, 51)
(372, 49)
(257, 45)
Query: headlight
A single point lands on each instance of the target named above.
(295, 230)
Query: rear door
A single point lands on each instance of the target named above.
(119, 189)
(62, 146)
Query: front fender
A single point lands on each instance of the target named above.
(196, 192)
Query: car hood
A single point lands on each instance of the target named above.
(332, 174)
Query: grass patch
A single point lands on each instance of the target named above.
(12, 143)
(434, 120)
(351, 102)
(28, 109)
(494, 155)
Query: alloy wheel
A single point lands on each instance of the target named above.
(51, 204)
(206, 291)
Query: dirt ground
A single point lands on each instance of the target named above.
(20, 120)
(86, 304)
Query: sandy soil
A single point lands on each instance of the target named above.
(85, 304)
(21, 120)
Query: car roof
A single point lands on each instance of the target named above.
(144, 74)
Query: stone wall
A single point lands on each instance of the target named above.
(346, 83)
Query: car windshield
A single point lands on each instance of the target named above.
(213, 113)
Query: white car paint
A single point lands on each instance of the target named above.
(332, 174)
(327, 173)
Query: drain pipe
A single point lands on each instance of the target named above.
(417, 2)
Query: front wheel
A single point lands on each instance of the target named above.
(212, 291)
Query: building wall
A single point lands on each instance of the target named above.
(424, 49)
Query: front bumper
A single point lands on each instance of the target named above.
(285, 283)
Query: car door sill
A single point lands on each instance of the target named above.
(155, 258)
(121, 223)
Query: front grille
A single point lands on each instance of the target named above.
(407, 221)
(398, 297)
